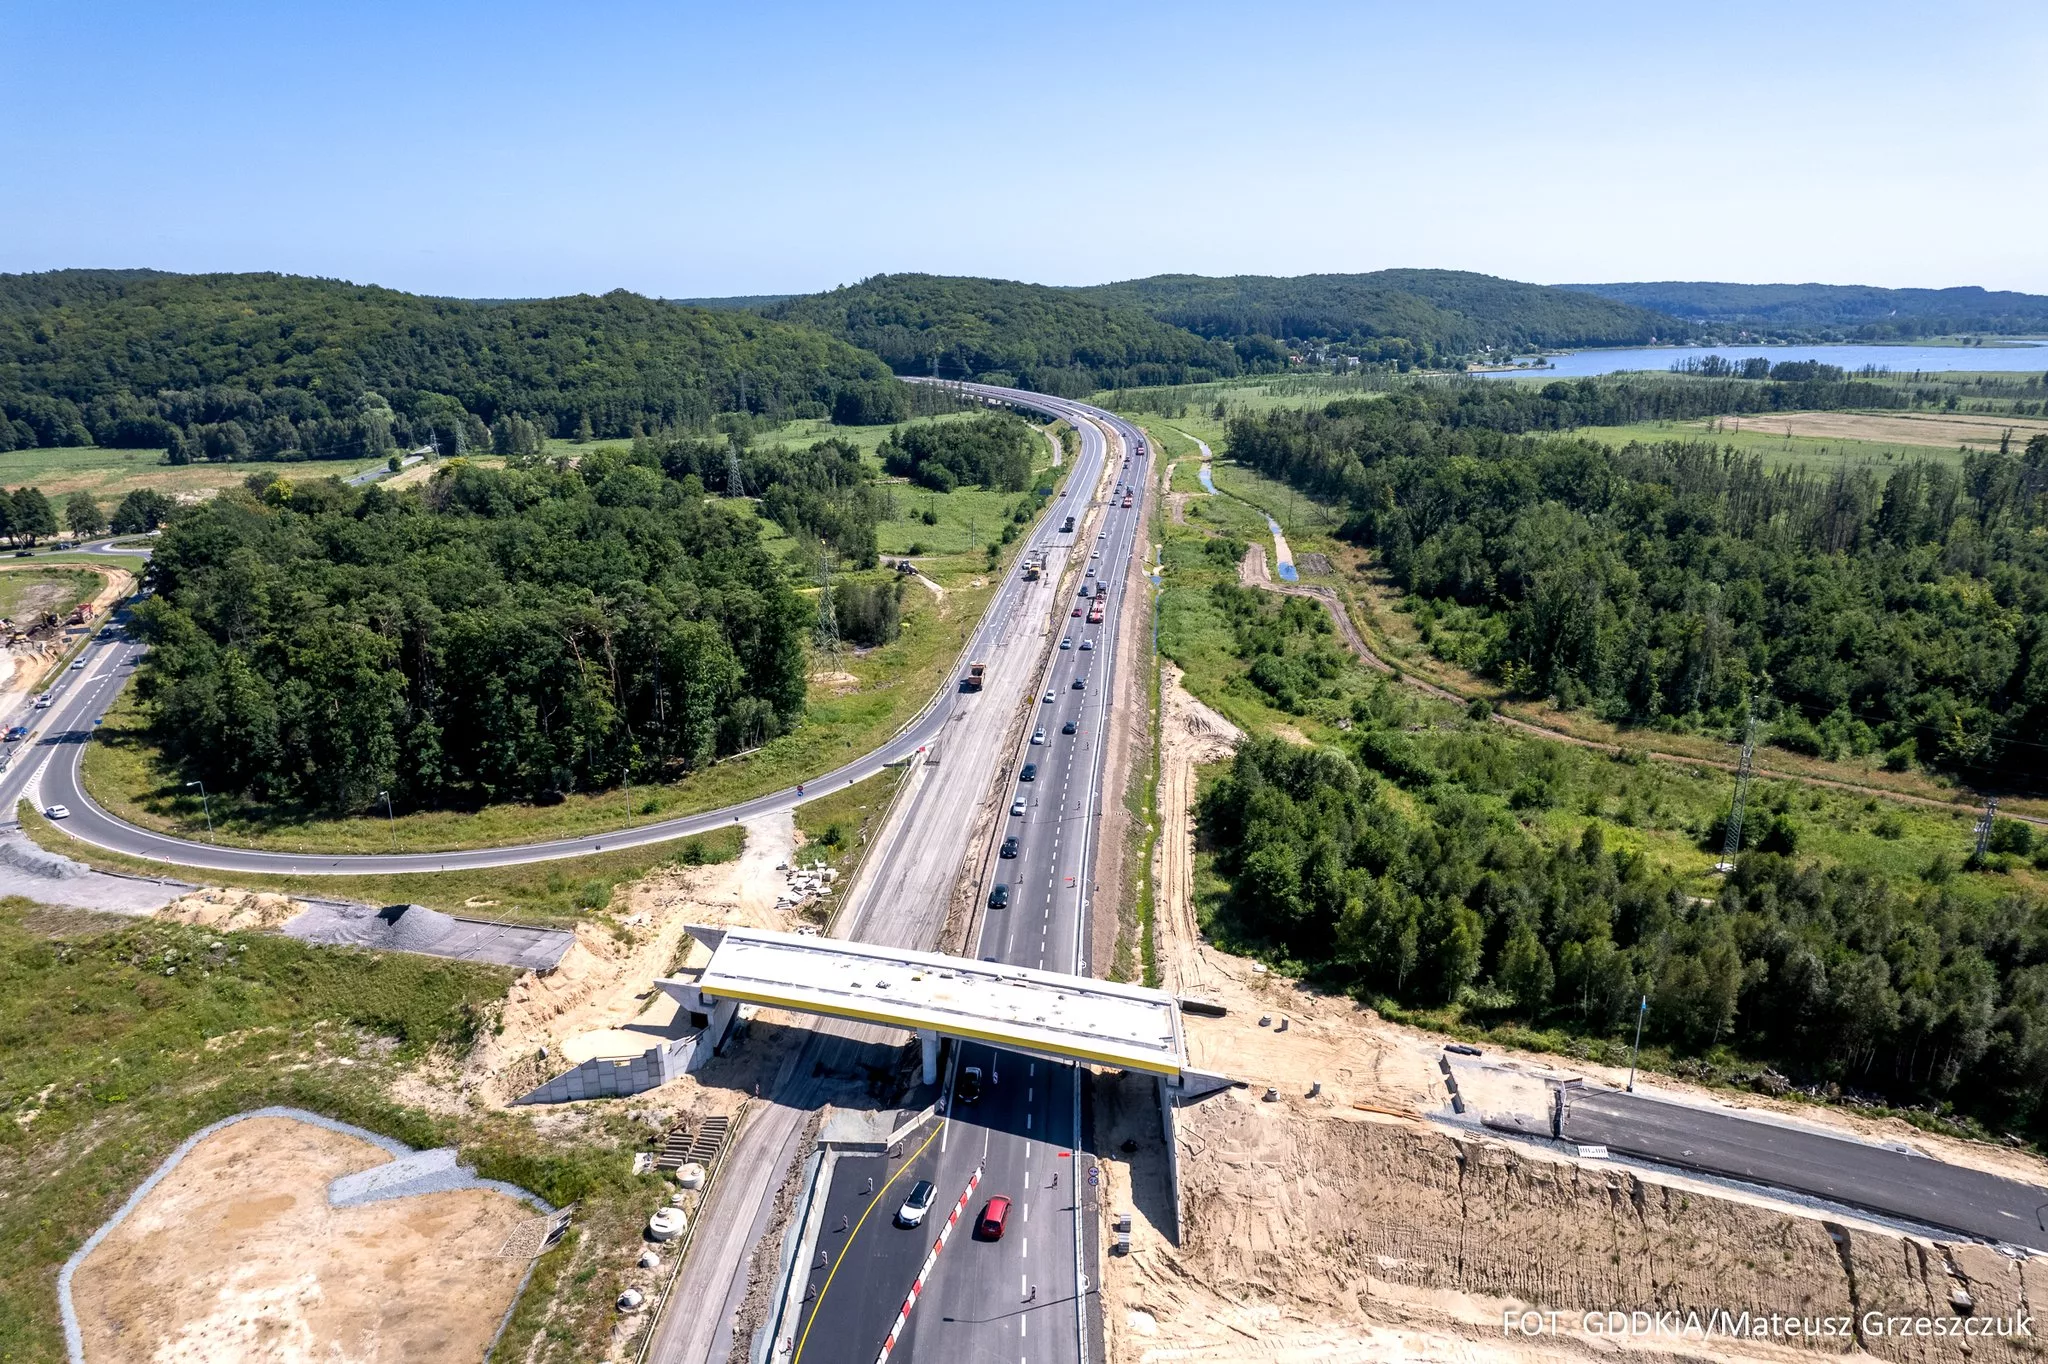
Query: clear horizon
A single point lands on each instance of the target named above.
(691, 151)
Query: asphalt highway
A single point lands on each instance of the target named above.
(1022, 1297)
(901, 898)
(1916, 1188)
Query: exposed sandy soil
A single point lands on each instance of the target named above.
(1979, 431)
(839, 683)
(237, 1256)
(26, 667)
(1190, 734)
(606, 979)
(231, 911)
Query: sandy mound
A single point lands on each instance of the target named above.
(237, 1255)
(231, 910)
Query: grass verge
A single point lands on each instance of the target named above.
(541, 892)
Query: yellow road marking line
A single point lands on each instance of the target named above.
(874, 1203)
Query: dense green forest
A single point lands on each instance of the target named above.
(1030, 335)
(1400, 865)
(280, 367)
(497, 634)
(1834, 311)
(992, 450)
(1420, 317)
(1902, 611)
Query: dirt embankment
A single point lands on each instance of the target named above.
(26, 666)
(1324, 1236)
(605, 982)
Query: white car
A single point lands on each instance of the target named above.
(1017, 806)
(1048, 698)
(1038, 736)
(43, 701)
(77, 664)
(56, 812)
(1086, 645)
(922, 1195)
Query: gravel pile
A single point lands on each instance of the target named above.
(415, 928)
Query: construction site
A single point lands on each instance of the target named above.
(1351, 1190)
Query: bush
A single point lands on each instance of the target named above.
(1900, 757)
(2011, 836)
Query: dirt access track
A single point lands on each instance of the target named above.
(237, 1255)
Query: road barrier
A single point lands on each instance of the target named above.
(945, 1232)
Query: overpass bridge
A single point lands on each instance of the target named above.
(1049, 1014)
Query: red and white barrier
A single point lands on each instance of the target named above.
(951, 1222)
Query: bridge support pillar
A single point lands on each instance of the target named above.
(930, 1046)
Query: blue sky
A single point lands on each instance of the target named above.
(508, 149)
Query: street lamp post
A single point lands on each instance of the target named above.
(205, 805)
(390, 819)
(1637, 1050)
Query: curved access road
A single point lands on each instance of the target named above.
(45, 770)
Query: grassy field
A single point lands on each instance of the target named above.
(113, 1057)
(110, 475)
(555, 893)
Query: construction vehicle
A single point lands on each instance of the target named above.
(1031, 570)
(972, 682)
(1095, 612)
(1127, 499)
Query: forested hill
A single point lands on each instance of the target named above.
(286, 367)
(1047, 339)
(1839, 310)
(1438, 313)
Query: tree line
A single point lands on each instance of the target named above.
(1679, 583)
(276, 367)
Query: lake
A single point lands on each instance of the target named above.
(1900, 360)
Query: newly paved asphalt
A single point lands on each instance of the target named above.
(1856, 1174)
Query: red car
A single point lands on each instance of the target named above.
(994, 1216)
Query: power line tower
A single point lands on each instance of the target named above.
(828, 620)
(1984, 827)
(735, 484)
(1744, 770)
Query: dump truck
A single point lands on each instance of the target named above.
(972, 682)
(1031, 570)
